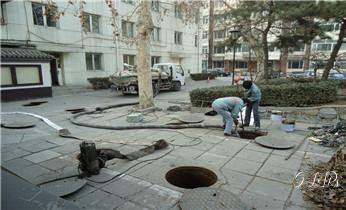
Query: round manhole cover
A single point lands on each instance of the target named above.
(274, 142)
(210, 198)
(191, 118)
(190, 177)
(17, 125)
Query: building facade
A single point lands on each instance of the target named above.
(89, 44)
(245, 59)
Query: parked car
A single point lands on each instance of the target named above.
(309, 73)
(218, 72)
(296, 74)
(336, 76)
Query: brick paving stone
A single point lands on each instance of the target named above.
(188, 153)
(132, 206)
(91, 199)
(157, 197)
(277, 173)
(109, 202)
(59, 163)
(269, 188)
(13, 154)
(42, 156)
(261, 202)
(126, 186)
(39, 146)
(252, 155)
(213, 159)
(242, 165)
(236, 179)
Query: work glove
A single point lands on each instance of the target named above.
(236, 122)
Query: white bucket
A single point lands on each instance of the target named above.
(276, 116)
(288, 127)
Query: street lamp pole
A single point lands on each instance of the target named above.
(233, 66)
(235, 32)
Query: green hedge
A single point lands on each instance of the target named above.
(203, 76)
(284, 95)
(100, 82)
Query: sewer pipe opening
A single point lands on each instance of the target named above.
(190, 177)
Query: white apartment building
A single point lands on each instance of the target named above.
(245, 60)
(96, 52)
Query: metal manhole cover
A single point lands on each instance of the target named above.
(274, 142)
(65, 186)
(210, 198)
(17, 125)
(191, 118)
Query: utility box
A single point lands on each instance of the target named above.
(134, 118)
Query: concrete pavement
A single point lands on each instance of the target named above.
(259, 175)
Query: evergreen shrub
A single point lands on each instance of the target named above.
(289, 94)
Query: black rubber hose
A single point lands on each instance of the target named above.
(128, 127)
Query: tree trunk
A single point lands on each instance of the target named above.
(306, 58)
(335, 51)
(211, 34)
(266, 55)
(260, 65)
(144, 28)
(284, 60)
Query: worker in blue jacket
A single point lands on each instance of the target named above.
(228, 108)
(252, 100)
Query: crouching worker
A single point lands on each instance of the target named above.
(252, 100)
(228, 108)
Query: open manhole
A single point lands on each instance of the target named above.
(35, 103)
(190, 177)
(245, 134)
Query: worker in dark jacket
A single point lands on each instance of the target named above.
(252, 100)
(229, 108)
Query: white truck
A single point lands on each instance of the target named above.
(165, 76)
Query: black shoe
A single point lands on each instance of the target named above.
(227, 134)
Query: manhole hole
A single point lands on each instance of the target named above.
(190, 177)
(35, 103)
(244, 134)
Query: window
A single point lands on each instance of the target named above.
(128, 1)
(205, 19)
(343, 47)
(44, 15)
(295, 64)
(204, 65)
(155, 34)
(177, 11)
(196, 40)
(179, 70)
(219, 34)
(298, 49)
(205, 35)
(2, 14)
(127, 29)
(155, 59)
(155, 5)
(21, 75)
(93, 61)
(91, 23)
(219, 4)
(205, 50)
(178, 37)
(219, 64)
(129, 59)
(241, 65)
(218, 50)
(324, 47)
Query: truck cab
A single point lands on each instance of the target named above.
(175, 72)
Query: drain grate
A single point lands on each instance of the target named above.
(190, 177)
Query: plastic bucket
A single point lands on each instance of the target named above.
(288, 127)
(276, 116)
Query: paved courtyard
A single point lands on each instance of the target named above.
(260, 176)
